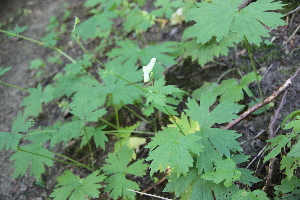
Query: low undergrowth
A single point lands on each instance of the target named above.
(203, 158)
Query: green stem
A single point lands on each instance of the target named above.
(123, 131)
(108, 123)
(79, 165)
(90, 148)
(255, 70)
(40, 43)
(117, 116)
(174, 120)
(7, 84)
(137, 115)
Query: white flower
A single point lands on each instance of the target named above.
(147, 70)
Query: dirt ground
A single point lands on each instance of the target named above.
(277, 64)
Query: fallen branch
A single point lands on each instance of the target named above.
(272, 135)
(259, 105)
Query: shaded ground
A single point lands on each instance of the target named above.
(278, 63)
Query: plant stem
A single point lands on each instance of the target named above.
(79, 165)
(137, 115)
(90, 148)
(108, 123)
(255, 71)
(174, 121)
(117, 116)
(40, 43)
(7, 84)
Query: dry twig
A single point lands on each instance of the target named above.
(272, 135)
(259, 105)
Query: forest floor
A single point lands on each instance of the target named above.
(276, 63)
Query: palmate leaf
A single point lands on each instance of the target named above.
(192, 186)
(99, 137)
(225, 171)
(221, 17)
(158, 92)
(33, 103)
(20, 125)
(254, 195)
(206, 52)
(67, 131)
(91, 27)
(138, 20)
(75, 188)
(171, 148)
(121, 91)
(4, 70)
(117, 169)
(129, 53)
(32, 155)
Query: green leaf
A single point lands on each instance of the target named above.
(18, 29)
(33, 103)
(20, 125)
(74, 188)
(165, 8)
(288, 185)
(99, 136)
(121, 91)
(294, 125)
(32, 155)
(171, 148)
(213, 137)
(221, 17)
(67, 132)
(96, 24)
(254, 195)
(277, 144)
(192, 186)
(129, 53)
(234, 91)
(224, 112)
(188, 126)
(158, 92)
(206, 52)
(290, 164)
(225, 171)
(117, 168)
(138, 21)
(50, 39)
(4, 70)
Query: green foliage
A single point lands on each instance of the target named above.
(221, 18)
(4, 70)
(204, 159)
(37, 96)
(288, 189)
(171, 148)
(27, 157)
(255, 195)
(11, 140)
(74, 188)
(117, 169)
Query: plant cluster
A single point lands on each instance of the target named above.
(204, 159)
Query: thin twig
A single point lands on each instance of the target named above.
(158, 182)
(151, 195)
(291, 35)
(271, 135)
(266, 101)
(293, 11)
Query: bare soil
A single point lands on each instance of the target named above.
(277, 63)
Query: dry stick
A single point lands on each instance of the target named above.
(291, 35)
(271, 135)
(259, 105)
(293, 11)
(158, 182)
